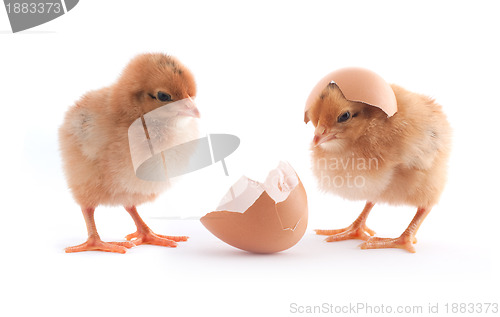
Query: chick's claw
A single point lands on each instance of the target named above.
(402, 242)
(173, 238)
(354, 231)
(131, 236)
(368, 230)
(96, 244)
(149, 237)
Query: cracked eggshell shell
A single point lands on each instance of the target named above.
(266, 226)
(358, 84)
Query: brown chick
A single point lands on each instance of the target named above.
(360, 153)
(95, 148)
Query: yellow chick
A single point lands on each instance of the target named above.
(361, 153)
(94, 144)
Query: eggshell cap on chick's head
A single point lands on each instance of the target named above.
(358, 84)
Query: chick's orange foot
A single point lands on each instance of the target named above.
(96, 244)
(149, 237)
(406, 240)
(144, 235)
(357, 230)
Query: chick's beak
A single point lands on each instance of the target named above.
(189, 109)
(322, 136)
(190, 112)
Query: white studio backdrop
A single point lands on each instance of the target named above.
(255, 64)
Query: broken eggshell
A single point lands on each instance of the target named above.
(262, 217)
(358, 84)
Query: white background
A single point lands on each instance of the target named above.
(255, 64)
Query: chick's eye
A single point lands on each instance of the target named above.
(163, 96)
(344, 117)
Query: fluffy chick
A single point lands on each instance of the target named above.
(95, 148)
(361, 154)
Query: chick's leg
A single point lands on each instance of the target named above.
(357, 230)
(406, 239)
(94, 242)
(144, 235)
